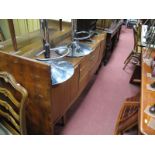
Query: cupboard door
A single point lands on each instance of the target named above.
(102, 49)
(84, 81)
(94, 57)
(74, 85)
(85, 66)
(64, 94)
(88, 67)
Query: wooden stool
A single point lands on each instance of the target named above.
(128, 115)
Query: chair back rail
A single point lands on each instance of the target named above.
(12, 109)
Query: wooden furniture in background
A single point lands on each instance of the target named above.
(13, 34)
(86, 24)
(113, 33)
(104, 23)
(135, 55)
(147, 99)
(128, 115)
(12, 104)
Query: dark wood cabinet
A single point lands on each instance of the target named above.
(113, 34)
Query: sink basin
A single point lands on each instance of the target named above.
(64, 50)
(61, 71)
(77, 49)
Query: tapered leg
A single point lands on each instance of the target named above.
(128, 60)
(128, 57)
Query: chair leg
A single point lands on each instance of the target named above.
(136, 76)
(128, 57)
(127, 62)
(64, 119)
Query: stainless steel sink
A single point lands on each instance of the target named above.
(76, 49)
(61, 70)
(79, 49)
(64, 50)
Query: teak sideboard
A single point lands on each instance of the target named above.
(46, 104)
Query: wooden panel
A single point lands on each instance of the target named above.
(102, 49)
(35, 77)
(84, 81)
(85, 66)
(60, 98)
(74, 85)
(88, 67)
(88, 62)
(94, 57)
(64, 94)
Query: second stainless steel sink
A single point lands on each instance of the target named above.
(76, 49)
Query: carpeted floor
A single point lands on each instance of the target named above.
(96, 112)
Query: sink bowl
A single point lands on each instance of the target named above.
(54, 53)
(61, 71)
(77, 49)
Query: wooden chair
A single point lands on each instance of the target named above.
(128, 115)
(12, 105)
(135, 55)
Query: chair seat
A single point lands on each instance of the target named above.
(4, 130)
